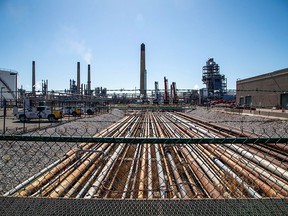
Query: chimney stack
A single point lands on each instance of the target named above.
(89, 81)
(33, 79)
(78, 78)
(143, 74)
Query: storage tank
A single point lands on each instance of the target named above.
(8, 84)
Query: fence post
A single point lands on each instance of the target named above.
(4, 116)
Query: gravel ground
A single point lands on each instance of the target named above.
(259, 125)
(20, 160)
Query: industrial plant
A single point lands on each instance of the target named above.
(163, 93)
(99, 149)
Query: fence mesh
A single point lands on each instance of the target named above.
(144, 154)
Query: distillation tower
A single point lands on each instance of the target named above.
(214, 81)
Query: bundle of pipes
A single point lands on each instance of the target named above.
(151, 170)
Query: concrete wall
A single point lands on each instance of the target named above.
(265, 90)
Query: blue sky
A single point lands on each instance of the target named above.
(246, 38)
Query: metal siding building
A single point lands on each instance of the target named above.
(267, 90)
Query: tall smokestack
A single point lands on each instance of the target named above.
(89, 81)
(33, 79)
(142, 70)
(78, 78)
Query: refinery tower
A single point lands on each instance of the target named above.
(214, 81)
(143, 73)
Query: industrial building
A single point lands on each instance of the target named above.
(8, 85)
(267, 90)
(215, 82)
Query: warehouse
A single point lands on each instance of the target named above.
(267, 90)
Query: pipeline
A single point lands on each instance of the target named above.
(252, 192)
(153, 170)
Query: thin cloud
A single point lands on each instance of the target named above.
(71, 41)
(81, 49)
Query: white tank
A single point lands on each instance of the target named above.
(8, 84)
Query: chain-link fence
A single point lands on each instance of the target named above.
(134, 154)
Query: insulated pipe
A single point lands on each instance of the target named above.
(237, 162)
(113, 175)
(177, 176)
(191, 181)
(282, 157)
(207, 170)
(32, 178)
(71, 179)
(136, 172)
(89, 182)
(172, 131)
(142, 177)
(207, 157)
(134, 193)
(130, 172)
(71, 174)
(198, 129)
(168, 175)
(110, 130)
(133, 159)
(264, 163)
(250, 190)
(56, 181)
(242, 170)
(98, 181)
(169, 127)
(47, 188)
(203, 165)
(160, 131)
(186, 121)
(42, 180)
(123, 133)
(280, 146)
(268, 175)
(229, 130)
(251, 149)
(205, 181)
(161, 178)
(82, 180)
(150, 175)
(258, 172)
